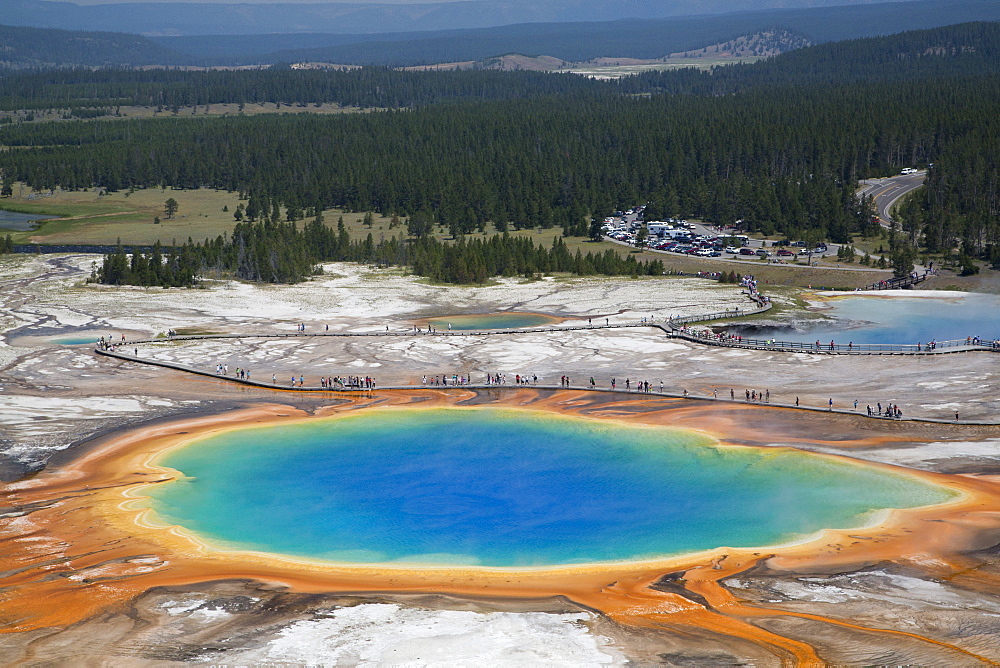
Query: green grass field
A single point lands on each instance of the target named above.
(617, 71)
(220, 109)
(88, 217)
(91, 218)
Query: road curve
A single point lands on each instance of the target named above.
(887, 191)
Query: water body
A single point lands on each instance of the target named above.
(20, 222)
(899, 320)
(507, 488)
(511, 320)
(77, 340)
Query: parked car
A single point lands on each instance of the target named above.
(784, 252)
(732, 249)
(761, 252)
(747, 251)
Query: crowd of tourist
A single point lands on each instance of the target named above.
(889, 410)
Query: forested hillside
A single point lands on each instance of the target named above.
(373, 87)
(535, 150)
(952, 51)
(584, 39)
(35, 47)
(252, 18)
(585, 36)
(779, 161)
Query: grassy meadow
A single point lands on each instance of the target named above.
(617, 71)
(88, 217)
(220, 109)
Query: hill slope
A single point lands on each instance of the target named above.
(644, 39)
(573, 42)
(37, 47)
(950, 52)
(358, 17)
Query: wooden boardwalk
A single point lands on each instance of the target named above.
(674, 328)
(492, 387)
(898, 283)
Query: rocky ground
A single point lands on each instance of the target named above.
(55, 398)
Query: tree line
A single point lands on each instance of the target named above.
(369, 87)
(960, 50)
(779, 157)
(276, 252)
(777, 163)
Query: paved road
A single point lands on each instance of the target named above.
(887, 191)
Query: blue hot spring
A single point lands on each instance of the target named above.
(510, 320)
(507, 488)
(861, 318)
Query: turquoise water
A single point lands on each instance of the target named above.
(902, 320)
(77, 340)
(492, 321)
(507, 488)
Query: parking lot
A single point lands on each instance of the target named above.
(688, 238)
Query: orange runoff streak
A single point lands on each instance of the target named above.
(705, 582)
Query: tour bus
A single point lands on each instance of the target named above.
(659, 228)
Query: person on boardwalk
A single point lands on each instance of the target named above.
(831, 403)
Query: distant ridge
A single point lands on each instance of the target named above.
(572, 42)
(236, 18)
(765, 43)
(646, 39)
(38, 48)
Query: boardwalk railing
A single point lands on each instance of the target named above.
(897, 283)
(956, 345)
(675, 323)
